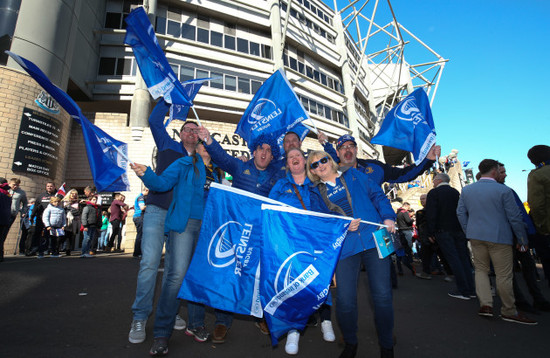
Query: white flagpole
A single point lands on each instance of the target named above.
(196, 115)
(122, 154)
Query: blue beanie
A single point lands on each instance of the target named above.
(269, 140)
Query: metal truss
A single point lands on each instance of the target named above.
(380, 57)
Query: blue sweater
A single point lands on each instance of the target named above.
(283, 191)
(188, 191)
(368, 203)
(245, 175)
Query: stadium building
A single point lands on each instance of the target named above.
(345, 62)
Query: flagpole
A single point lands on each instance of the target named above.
(122, 154)
(196, 115)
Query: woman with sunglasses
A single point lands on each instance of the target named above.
(350, 193)
(295, 190)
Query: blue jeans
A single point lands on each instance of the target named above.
(179, 250)
(88, 237)
(151, 249)
(102, 236)
(453, 244)
(379, 282)
(196, 312)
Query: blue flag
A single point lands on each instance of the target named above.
(409, 126)
(191, 88)
(107, 165)
(299, 253)
(274, 110)
(224, 272)
(153, 65)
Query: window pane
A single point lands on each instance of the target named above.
(161, 25)
(188, 32)
(203, 74)
(324, 79)
(216, 38)
(244, 85)
(187, 73)
(175, 68)
(305, 103)
(316, 75)
(203, 35)
(107, 66)
(216, 83)
(328, 113)
(309, 72)
(231, 83)
(301, 67)
(293, 64)
(266, 51)
(242, 45)
(229, 42)
(124, 67)
(254, 48)
(330, 83)
(112, 20)
(174, 28)
(255, 86)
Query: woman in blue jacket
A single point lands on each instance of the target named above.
(351, 193)
(186, 176)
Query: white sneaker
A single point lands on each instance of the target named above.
(292, 340)
(180, 323)
(137, 331)
(328, 331)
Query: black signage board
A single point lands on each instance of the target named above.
(38, 144)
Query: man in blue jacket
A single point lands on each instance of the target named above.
(256, 176)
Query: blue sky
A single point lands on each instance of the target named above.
(492, 96)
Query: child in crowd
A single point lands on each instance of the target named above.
(54, 219)
(103, 230)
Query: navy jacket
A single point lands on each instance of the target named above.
(441, 205)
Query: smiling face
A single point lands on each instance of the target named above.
(262, 156)
(295, 161)
(348, 154)
(290, 141)
(323, 170)
(189, 133)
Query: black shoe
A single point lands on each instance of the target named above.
(350, 350)
(386, 353)
(159, 347)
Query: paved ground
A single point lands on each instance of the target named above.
(72, 307)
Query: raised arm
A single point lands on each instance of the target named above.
(160, 135)
(219, 156)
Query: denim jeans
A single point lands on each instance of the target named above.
(151, 249)
(196, 313)
(379, 282)
(102, 236)
(453, 244)
(88, 237)
(179, 250)
(138, 221)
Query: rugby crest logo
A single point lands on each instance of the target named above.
(221, 251)
(408, 111)
(47, 103)
(263, 113)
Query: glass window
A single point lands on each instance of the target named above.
(175, 68)
(309, 71)
(229, 42)
(161, 25)
(124, 67)
(301, 67)
(285, 60)
(266, 51)
(203, 74)
(305, 103)
(328, 112)
(254, 48)
(242, 45)
(312, 107)
(203, 35)
(306, 3)
(107, 66)
(174, 28)
(217, 82)
(112, 20)
(330, 82)
(293, 64)
(230, 83)
(188, 32)
(244, 85)
(186, 73)
(256, 86)
(316, 75)
(216, 38)
(323, 79)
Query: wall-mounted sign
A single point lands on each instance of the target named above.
(38, 143)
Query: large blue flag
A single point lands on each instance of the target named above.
(107, 165)
(409, 126)
(299, 253)
(153, 65)
(225, 272)
(274, 110)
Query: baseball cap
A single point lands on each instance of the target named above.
(343, 139)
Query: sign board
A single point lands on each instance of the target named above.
(38, 144)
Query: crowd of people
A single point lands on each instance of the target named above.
(483, 232)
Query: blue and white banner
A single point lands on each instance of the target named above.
(299, 253)
(274, 110)
(409, 126)
(107, 165)
(153, 65)
(191, 88)
(225, 272)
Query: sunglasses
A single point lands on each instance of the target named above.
(323, 160)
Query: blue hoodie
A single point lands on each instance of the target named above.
(368, 203)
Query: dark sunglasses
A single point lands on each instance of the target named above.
(323, 160)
